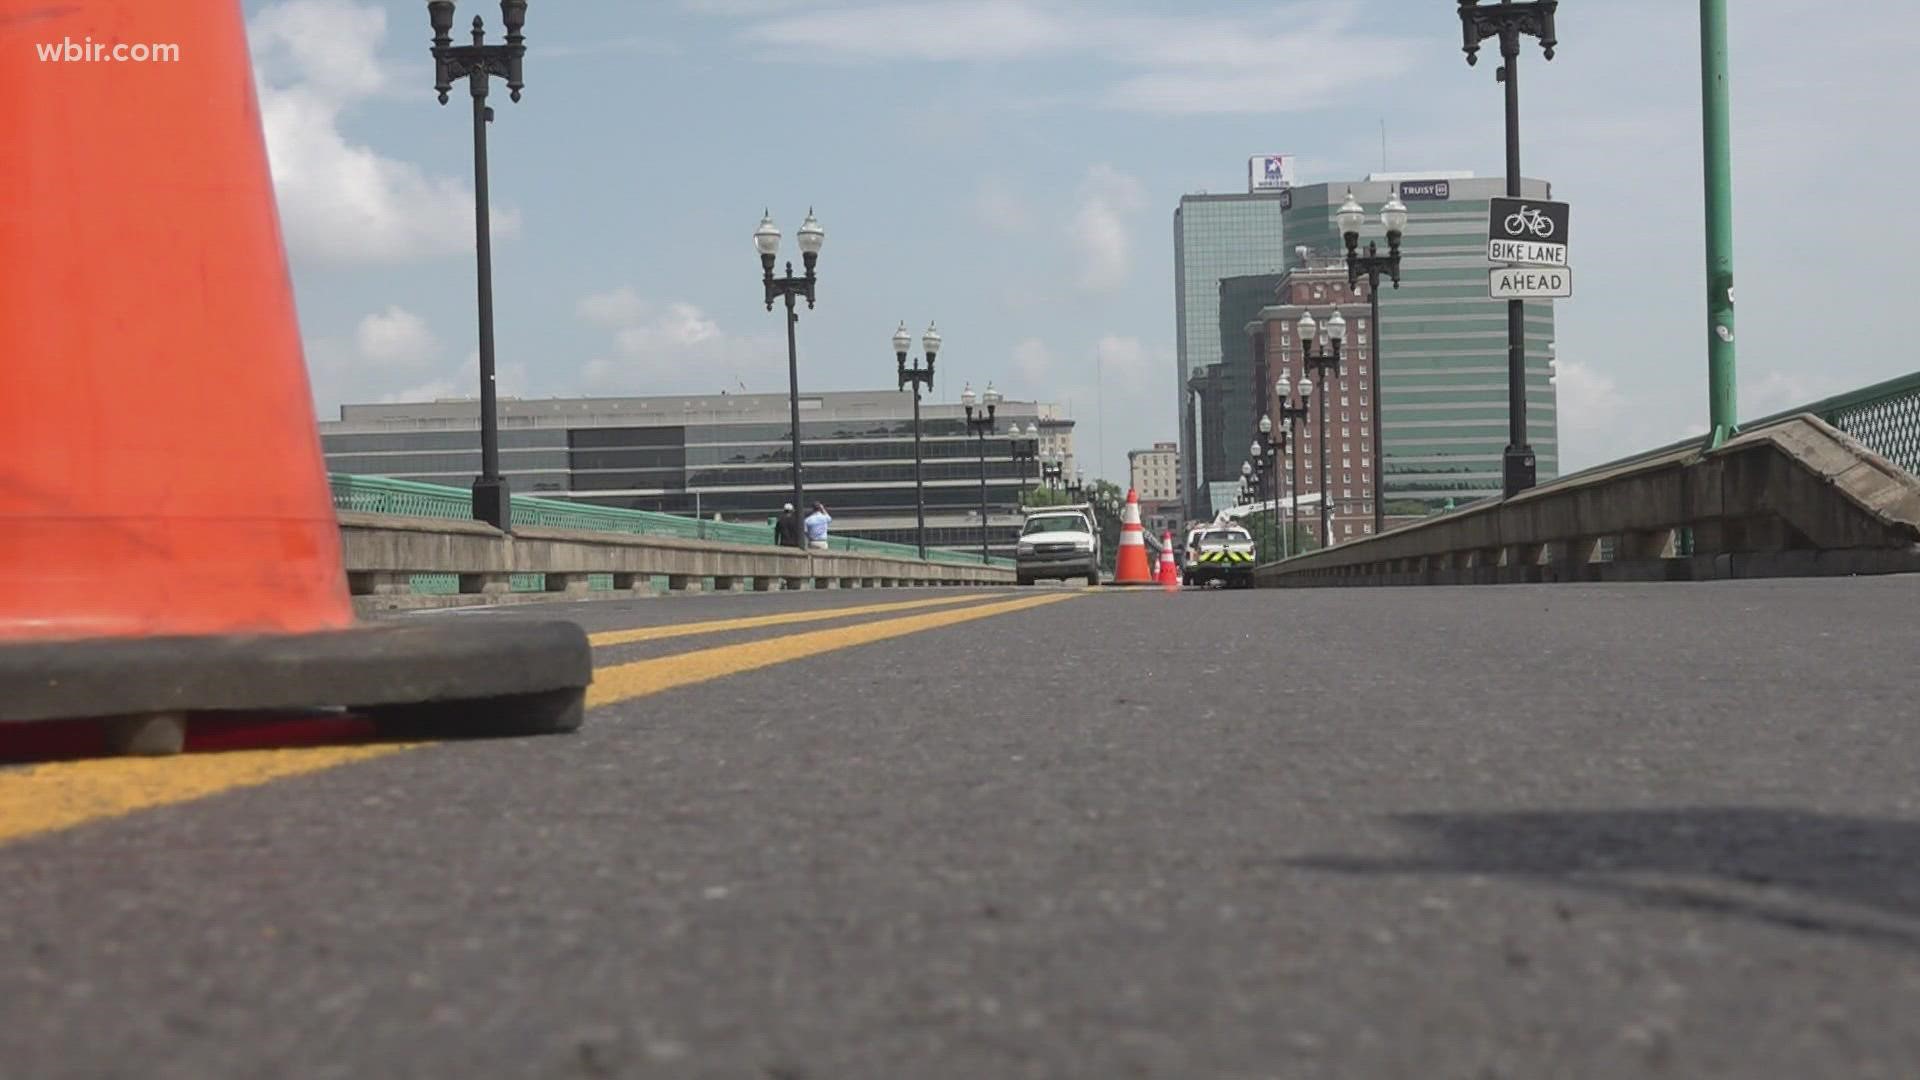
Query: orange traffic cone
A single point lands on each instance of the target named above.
(1130, 568)
(1169, 573)
(167, 540)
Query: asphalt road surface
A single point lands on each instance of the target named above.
(1522, 832)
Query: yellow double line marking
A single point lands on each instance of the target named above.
(45, 798)
(757, 622)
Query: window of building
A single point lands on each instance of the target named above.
(1363, 369)
(1349, 529)
(1343, 399)
(1346, 432)
(1346, 478)
(1363, 384)
(1343, 371)
(1368, 529)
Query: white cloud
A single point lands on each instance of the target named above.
(1100, 228)
(998, 206)
(1117, 385)
(1033, 363)
(462, 380)
(342, 202)
(673, 348)
(971, 30)
(614, 308)
(395, 336)
(1778, 391)
(1271, 61)
(1590, 402)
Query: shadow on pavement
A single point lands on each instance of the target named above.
(1783, 868)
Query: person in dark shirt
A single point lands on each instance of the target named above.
(786, 527)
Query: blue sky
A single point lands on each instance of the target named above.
(1010, 168)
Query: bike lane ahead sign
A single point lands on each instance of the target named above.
(1527, 232)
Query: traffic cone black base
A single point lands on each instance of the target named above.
(426, 680)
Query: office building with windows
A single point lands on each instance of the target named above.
(1343, 444)
(1154, 473)
(1442, 379)
(723, 454)
(1215, 238)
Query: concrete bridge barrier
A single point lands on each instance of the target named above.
(385, 552)
(1792, 498)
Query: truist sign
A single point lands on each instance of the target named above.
(1426, 190)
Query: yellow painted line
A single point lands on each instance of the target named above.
(622, 682)
(755, 622)
(40, 799)
(45, 798)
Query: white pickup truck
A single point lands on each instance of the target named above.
(1058, 542)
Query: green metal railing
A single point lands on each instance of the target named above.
(1884, 418)
(382, 495)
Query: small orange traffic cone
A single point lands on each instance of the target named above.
(1169, 573)
(1130, 568)
(167, 540)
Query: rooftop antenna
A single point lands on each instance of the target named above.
(1383, 144)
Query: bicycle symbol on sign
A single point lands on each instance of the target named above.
(1529, 220)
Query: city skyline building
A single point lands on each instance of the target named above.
(1215, 237)
(727, 454)
(1154, 472)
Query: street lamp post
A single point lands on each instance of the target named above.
(1077, 487)
(1320, 361)
(1025, 452)
(1275, 442)
(1257, 453)
(479, 63)
(1393, 217)
(1050, 471)
(919, 375)
(1510, 21)
(766, 238)
(981, 425)
(1291, 416)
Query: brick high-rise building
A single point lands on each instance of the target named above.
(1319, 285)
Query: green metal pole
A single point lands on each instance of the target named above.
(1717, 145)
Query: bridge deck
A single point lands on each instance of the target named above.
(1575, 830)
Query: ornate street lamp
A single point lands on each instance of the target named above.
(1025, 451)
(479, 64)
(1321, 361)
(766, 239)
(1393, 218)
(981, 426)
(1509, 21)
(918, 375)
